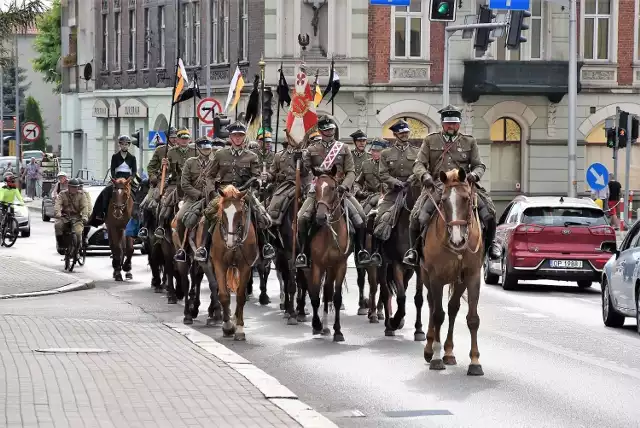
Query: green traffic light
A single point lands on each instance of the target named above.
(443, 8)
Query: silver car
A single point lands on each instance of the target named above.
(23, 217)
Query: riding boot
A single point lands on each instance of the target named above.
(376, 257)
(411, 256)
(202, 253)
(363, 257)
(489, 235)
(143, 233)
(301, 259)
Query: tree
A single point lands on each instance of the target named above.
(9, 87)
(17, 17)
(32, 114)
(48, 45)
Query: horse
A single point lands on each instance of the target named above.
(262, 266)
(214, 311)
(367, 305)
(453, 253)
(234, 251)
(395, 275)
(161, 261)
(118, 215)
(330, 248)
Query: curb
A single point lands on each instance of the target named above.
(75, 286)
(269, 386)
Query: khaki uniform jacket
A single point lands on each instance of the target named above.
(358, 159)
(154, 168)
(231, 166)
(283, 167)
(435, 156)
(74, 206)
(396, 164)
(315, 154)
(194, 177)
(369, 179)
(177, 159)
(264, 157)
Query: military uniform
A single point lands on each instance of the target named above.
(74, 208)
(368, 185)
(359, 157)
(283, 174)
(444, 152)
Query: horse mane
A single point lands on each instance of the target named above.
(228, 192)
(452, 176)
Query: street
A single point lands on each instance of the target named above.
(547, 357)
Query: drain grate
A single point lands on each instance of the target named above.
(72, 350)
(417, 413)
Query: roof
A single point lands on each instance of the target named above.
(554, 201)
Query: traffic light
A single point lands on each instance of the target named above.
(443, 10)
(135, 138)
(622, 138)
(635, 124)
(220, 124)
(267, 110)
(611, 138)
(483, 35)
(516, 27)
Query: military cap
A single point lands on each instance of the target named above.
(326, 122)
(184, 134)
(172, 132)
(237, 128)
(358, 135)
(204, 143)
(379, 144)
(264, 134)
(218, 142)
(124, 139)
(314, 136)
(450, 114)
(73, 183)
(399, 127)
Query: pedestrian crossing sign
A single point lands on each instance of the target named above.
(156, 138)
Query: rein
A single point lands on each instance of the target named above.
(240, 229)
(118, 209)
(336, 208)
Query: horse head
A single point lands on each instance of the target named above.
(120, 196)
(327, 197)
(233, 215)
(457, 206)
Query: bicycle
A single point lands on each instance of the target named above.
(9, 228)
(75, 252)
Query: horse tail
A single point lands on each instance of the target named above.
(232, 279)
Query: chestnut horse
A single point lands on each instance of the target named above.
(118, 215)
(452, 254)
(330, 248)
(234, 251)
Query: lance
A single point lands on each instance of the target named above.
(275, 147)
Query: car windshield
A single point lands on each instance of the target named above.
(564, 216)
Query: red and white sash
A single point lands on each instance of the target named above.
(328, 161)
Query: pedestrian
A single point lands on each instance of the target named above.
(615, 189)
(32, 174)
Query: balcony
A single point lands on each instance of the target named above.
(548, 78)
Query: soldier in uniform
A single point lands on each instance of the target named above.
(264, 152)
(444, 151)
(236, 166)
(314, 156)
(175, 160)
(359, 155)
(70, 206)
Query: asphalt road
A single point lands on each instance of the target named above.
(548, 359)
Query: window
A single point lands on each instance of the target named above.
(195, 48)
(105, 42)
(244, 29)
(561, 216)
(506, 155)
(147, 39)
(407, 30)
(161, 37)
(132, 39)
(219, 31)
(533, 48)
(505, 130)
(186, 33)
(513, 215)
(596, 29)
(118, 43)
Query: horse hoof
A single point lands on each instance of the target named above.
(187, 321)
(475, 370)
(450, 360)
(316, 331)
(342, 307)
(338, 337)
(301, 318)
(292, 321)
(158, 290)
(282, 306)
(118, 277)
(389, 333)
(172, 300)
(128, 275)
(401, 324)
(217, 316)
(365, 302)
(286, 315)
(326, 332)
(194, 312)
(428, 356)
(436, 365)
(381, 315)
(419, 336)
(239, 337)
(363, 311)
(264, 299)
(373, 319)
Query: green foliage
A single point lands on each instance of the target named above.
(32, 114)
(48, 45)
(9, 85)
(17, 17)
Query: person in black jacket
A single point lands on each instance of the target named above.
(123, 165)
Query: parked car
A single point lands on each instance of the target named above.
(552, 238)
(23, 217)
(620, 281)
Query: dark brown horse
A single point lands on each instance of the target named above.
(234, 251)
(452, 254)
(118, 215)
(330, 248)
(367, 305)
(214, 311)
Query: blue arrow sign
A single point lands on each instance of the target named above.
(390, 2)
(597, 176)
(509, 4)
(156, 138)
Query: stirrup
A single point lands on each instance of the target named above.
(410, 257)
(363, 258)
(301, 261)
(494, 253)
(180, 256)
(376, 259)
(201, 255)
(268, 252)
(143, 233)
(159, 233)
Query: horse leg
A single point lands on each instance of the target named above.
(214, 311)
(397, 322)
(283, 295)
(172, 297)
(362, 301)
(290, 308)
(155, 263)
(116, 259)
(196, 282)
(438, 319)
(228, 329)
(380, 305)
(373, 290)
(336, 284)
(264, 271)
(301, 285)
(314, 294)
(126, 266)
(431, 331)
(249, 286)
(473, 322)
(241, 299)
(385, 296)
(453, 308)
(183, 271)
(418, 299)
(327, 293)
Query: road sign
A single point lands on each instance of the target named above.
(207, 109)
(30, 131)
(509, 4)
(156, 138)
(390, 2)
(206, 130)
(597, 176)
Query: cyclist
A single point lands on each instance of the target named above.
(70, 211)
(10, 194)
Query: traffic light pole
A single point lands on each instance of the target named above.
(450, 31)
(615, 147)
(627, 170)
(572, 142)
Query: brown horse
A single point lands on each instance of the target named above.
(330, 248)
(234, 251)
(452, 254)
(118, 215)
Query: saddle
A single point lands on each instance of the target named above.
(282, 198)
(384, 228)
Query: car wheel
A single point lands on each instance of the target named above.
(584, 284)
(25, 233)
(489, 278)
(45, 217)
(509, 282)
(610, 316)
(638, 309)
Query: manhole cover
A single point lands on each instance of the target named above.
(72, 350)
(417, 413)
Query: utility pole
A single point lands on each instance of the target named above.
(627, 170)
(572, 143)
(2, 111)
(17, 111)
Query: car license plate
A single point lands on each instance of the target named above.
(106, 235)
(566, 264)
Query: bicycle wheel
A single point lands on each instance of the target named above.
(9, 232)
(82, 254)
(73, 252)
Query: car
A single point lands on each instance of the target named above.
(550, 238)
(23, 217)
(620, 282)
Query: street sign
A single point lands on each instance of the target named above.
(509, 4)
(30, 131)
(390, 2)
(156, 138)
(206, 130)
(207, 108)
(597, 176)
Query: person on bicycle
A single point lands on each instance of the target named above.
(10, 194)
(60, 185)
(70, 212)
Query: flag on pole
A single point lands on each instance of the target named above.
(302, 116)
(181, 81)
(235, 89)
(284, 97)
(317, 97)
(334, 83)
(192, 91)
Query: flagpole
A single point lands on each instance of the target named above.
(331, 78)
(195, 113)
(178, 20)
(275, 147)
(262, 64)
(238, 64)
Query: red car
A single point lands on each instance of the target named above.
(553, 238)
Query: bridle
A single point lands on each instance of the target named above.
(119, 209)
(334, 215)
(241, 231)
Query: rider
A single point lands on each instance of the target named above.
(235, 165)
(443, 151)
(265, 155)
(359, 154)
(71, 204)
(10, 193)
(87, 210)
(123, 165)
(194, 186)
(320, 155)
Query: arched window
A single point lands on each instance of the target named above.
(419, 129)
(505, 168)
(597, 135)
(506, 130)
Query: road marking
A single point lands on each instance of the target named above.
(417, 413)
(534, 315)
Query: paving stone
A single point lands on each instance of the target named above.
(19, 276)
